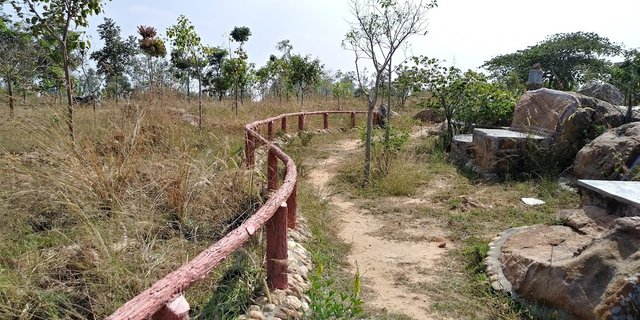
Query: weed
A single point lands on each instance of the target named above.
(232, 295)
(329, 303)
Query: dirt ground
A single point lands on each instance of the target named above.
(395, 255)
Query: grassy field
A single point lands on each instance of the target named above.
(86, 225)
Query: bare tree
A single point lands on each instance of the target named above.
(379, 29)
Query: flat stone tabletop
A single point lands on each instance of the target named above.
(463, 137)
(503, 133)
(623, 191)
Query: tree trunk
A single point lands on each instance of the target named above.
(387, 129)
(10, 89)
(236, 98)
(116, 91)
(367, 143)
(67, 79)
(199, 101)
(301, 98)
(188, 86)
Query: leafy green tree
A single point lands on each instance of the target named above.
(215, 78)
(305, 73)
(237, 68)
(185, 42)
(466, 99)
(240, 34)
(341, 90)
(379, 29)
(56, 18)
(447, 85)
(565, 58)
(116, 55)
(626, 76)
(19, 59)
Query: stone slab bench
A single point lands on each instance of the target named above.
(618, 197)
(503, 150)
(461, 149)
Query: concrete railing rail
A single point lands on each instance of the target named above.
(165, 298)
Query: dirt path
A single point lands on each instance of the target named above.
(393, 269)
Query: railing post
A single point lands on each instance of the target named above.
(283, 125)
(276, 229)
(272, 170)
(270, 132)
(301, 122)
(249, 149)
(325, 120)
(353, 119)
(375, 119)
(177, 309)
(292, 207)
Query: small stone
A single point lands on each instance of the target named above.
(256, 315)
(269, 307)
(294, 302)
(254, 307)
(262, 300)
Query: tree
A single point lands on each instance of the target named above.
(215, 79)
(379, 29)
(565, 58)
(152, 46)
(341, 89)
(305, 73)
(237, 68)
(185, 42)
(56, 18)
(626, 76)
(116, 55)
(466, 99)
(19, 59)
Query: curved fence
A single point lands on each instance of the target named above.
(165, 299)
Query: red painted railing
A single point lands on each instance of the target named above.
(165, 299)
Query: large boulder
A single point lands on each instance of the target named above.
(429, 115)
(571, 119)
(603, 91)
(610, 156)
(588, 268)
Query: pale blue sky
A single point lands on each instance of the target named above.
(464, 32)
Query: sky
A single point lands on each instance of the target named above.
(465, 33)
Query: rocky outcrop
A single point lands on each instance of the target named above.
(587, 268)
(429, 115)
(603, 91)
(571, 119)
(612, 156)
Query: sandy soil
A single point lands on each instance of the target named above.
(393, 255)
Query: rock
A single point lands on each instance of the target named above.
(294, 302)
(635, 112)
(611, 155)
(269, 307)
(603, 91)
(253, 314)
(461, 149)
(506, 151)
(571, 119)
(576, 274)
(429, 115)
(543, 110)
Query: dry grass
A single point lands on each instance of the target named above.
(85, 226)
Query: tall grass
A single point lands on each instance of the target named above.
(88, 224)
